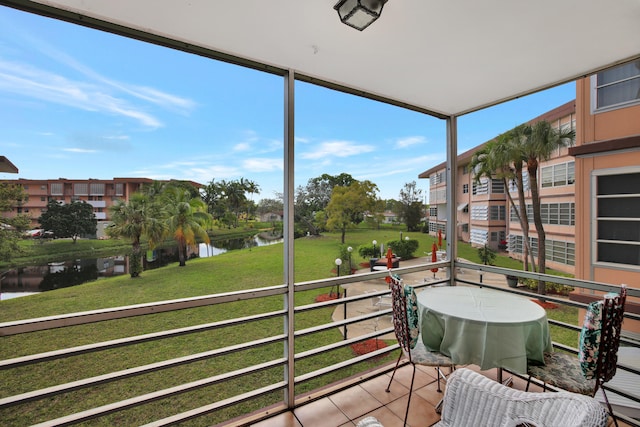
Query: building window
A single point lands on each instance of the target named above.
(465, 169)
(119, 189)
(97, 189)
(617, 208)
(480, 213)
(497, 213)
(438, 178)
(555, 250)
(497, 186)
(616, 87)
(550, 213)
(558, 175)
(81, 189)
(43, 198)
(479, 237)
(434, 227)
(433, 211)
(513, 188)
(562, 252)
(465, 228)
(481, 187)
(57, 189)
(465, 188)
(515, 244)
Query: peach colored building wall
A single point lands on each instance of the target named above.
(606, 142)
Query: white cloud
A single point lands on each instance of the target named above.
(149, 94)
(46, 86)
(242, 146)
(337, 149)
(409, 141)
(262, 165)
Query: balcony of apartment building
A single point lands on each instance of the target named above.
(258, 362)
(97, 203)
(308, 376)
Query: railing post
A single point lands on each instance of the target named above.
(289, 327)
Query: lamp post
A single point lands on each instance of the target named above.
(338, 262)
(350, 249)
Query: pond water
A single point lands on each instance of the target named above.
(31, 280)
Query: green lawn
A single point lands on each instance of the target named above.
(232, 271)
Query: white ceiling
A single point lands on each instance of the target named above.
(447, 57)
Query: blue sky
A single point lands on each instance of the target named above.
(80, 103)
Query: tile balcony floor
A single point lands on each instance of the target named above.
(346, 408)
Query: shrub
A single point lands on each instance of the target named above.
(487, 255)
(552, 287)
(403, 248)
(368, 251)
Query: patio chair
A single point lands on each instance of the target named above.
(406, 328)
(597, 356)
(471, 399)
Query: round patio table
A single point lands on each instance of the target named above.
(484, 327)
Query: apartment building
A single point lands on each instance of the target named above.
(99, 193)
(484, 215)
(607, 170)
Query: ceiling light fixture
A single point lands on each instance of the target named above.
(359, 14)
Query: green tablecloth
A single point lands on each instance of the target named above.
(483, 327)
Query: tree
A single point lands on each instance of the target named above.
(69, 220)
(187, 219)
(270, 205)
(541, 142)
(513, 142)
(314, 197)
(252, 188)
(409, 208)
(133, 220)
(348, 204)
(498, 158)
(11, 229)
(232, 196)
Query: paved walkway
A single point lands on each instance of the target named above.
(367, 306)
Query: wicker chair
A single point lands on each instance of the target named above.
(598, 352)
(471, 399)
(405, 323)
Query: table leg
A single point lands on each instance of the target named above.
(507, 381)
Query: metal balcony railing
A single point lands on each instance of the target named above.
(233, 366)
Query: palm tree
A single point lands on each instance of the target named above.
(498, 158)
(540, 143)
(187, 219)
(252, 188)
(136, 219)
(512, 151)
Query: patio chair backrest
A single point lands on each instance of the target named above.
(612, 316)
(400, 321)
